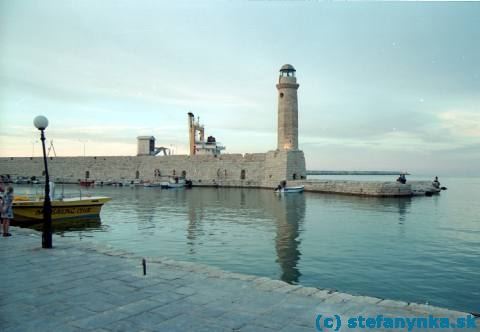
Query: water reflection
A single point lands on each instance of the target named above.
(377, 205)
(194, 225)
(211, 213)
(411, 249)
(260, 209)
(403, 206)
(289, 211)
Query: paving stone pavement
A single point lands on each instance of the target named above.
(79, 286)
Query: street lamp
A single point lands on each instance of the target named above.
(41, 123)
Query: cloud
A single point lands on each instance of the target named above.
(369, 87)
(461, 123)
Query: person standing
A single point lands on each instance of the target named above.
(1, 209)
(2, 190)
(7, 210)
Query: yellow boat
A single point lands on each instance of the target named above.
(31, 210)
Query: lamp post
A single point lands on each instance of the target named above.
(41, 123)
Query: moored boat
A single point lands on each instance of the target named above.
(86, 183)
(152, 184)
(136, 183)
(296, 189)
(31, 210)
(174, 182)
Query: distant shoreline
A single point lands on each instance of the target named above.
(355, 173)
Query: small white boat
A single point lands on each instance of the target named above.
(297, 189)
(174, 182)
(152, 184)
(105, 182)
(168, 185)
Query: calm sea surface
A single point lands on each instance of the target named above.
(421, 249)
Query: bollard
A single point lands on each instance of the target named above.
(144, 263)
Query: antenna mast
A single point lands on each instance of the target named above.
(51, 147)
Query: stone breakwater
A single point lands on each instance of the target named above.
(259, 170)
(361, 188)
(79, 285)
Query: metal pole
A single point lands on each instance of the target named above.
(47, 205)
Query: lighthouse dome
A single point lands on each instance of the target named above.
(287, 68)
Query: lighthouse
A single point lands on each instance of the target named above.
(287, 109)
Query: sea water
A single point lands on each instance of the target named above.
(419, 249)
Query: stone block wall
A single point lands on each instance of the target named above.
(284, 165)
(202, 169)
(249, 170)
(261, 170)
(363, 188)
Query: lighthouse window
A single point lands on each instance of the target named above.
(281, 94)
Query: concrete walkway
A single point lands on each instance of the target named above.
(76, 287)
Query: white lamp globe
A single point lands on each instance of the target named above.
(40, 122)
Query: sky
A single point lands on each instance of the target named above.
(383, 85)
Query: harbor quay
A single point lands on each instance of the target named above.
(81, 286)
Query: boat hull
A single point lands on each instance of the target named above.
(287, 190)
(152, 185)
(87, 183)
(32, 211)
(167, 185)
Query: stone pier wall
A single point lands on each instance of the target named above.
(249, 170)
(202, 169)
(258, 170)
(365, 188)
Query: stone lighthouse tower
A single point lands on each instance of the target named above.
(287, 109)
(287, 162)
